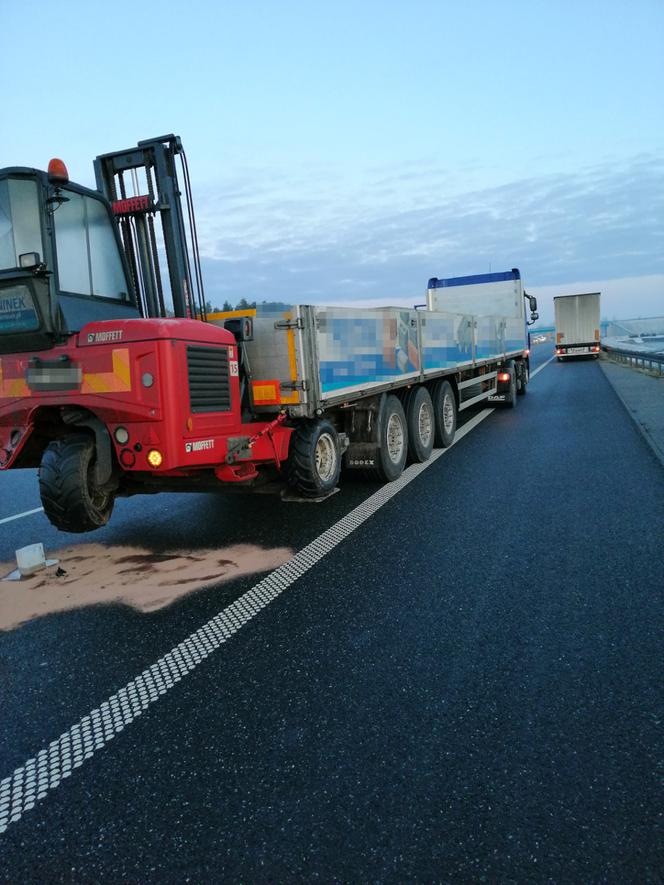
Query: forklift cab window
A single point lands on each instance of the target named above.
(20, 228)
(89, 262)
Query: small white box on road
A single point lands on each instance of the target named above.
(30, 559)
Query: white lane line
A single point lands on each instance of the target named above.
(539, 368)
(21, 515)
(44, 772)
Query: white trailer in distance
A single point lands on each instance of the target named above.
(577, 325)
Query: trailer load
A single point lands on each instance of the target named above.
(577, 321)
(109, 396)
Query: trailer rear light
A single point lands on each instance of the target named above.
(595, 349)
(155, 458)
(503, 376)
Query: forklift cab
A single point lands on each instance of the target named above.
(61, 260)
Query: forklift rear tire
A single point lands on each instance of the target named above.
(314, 461)
(72, 500)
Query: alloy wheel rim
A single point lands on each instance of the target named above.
(448, 413)
(395, 438)
(425, 423)
(325, 455)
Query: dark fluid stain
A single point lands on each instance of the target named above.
(150, 558)
(214, 577)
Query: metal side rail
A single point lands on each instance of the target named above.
(638, 358)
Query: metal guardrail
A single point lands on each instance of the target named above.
(637, 357)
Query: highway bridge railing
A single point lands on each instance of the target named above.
(637, 358)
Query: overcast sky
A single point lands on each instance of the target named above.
(348, 151)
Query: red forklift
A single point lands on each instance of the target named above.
(111, 381)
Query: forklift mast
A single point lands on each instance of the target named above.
(151, 168)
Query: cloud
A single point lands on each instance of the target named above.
(307, 236)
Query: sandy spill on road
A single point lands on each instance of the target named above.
(141, 578)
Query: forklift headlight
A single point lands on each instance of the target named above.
(29, 260)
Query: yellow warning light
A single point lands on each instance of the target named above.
(190, 423)
(155, 458)
(57, 172)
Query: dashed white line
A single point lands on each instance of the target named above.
(21, 515)
(44, 772)
(539, 368)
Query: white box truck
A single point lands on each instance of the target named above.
(577, 325)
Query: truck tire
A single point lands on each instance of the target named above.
(421, 431)
(392, 442)
(314, 460)
(445, 414)
(523, 379)
(510, 400)
(72, 501)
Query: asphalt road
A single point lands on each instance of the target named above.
(467, 688)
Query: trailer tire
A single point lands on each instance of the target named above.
(445, 414)
(314, 461)
(392, 449)
(72, 501)
(421, 430)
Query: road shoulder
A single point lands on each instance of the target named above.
(643, 397)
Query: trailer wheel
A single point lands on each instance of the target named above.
(392, 448)
(445, 414)
(421, 431)
(314, 462)
(72, 500)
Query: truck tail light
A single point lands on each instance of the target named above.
(503, 376)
